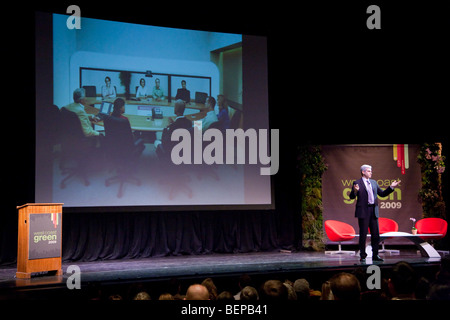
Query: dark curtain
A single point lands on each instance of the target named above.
(104, 236)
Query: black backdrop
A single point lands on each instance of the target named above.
(159, 234)
(328, 74)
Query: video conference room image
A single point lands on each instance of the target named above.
(118, 91)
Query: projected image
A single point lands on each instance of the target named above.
(120, 90)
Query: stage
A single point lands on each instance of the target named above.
(225, 269)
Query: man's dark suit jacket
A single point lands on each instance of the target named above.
(180, 123)
(183, 94)
(362, 208)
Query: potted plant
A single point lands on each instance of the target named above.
(413, 229)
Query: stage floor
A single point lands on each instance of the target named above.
(197, 267)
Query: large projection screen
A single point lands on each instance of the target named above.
(206, 63)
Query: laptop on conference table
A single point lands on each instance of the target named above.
(105, 110)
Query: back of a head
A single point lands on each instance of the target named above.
(249, 293)
(301, 287)
(142, 296)
(274, 290)
(179, 108)
(439, 291)
(118, 104)
(79, 94)
(444, 273)
(197, 292)
(345, 286)
(212, 289)
(403, 278)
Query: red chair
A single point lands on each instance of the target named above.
(432, 226)
(387, 225)
(338, 231)
(435, 227)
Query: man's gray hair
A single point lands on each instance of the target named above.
(78, 94)
(180, 106)
(364, 167)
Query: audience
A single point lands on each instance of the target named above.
(142, 296)
(174, 289)
(212, 289)
(248, 293)
(244, 281)
(197, 292)
(439, 291)
(225, 296)
(327, 294)
(166, 296)
(345, 286)
(273, 290)
(400, 282)
(301, 287)
(115, 297)
(443, 275)
(440, 287)
(292, 295)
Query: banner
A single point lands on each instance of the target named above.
(45, 236)
(389, 163)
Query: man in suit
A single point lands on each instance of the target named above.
(165, 145)
(366, 191)
(86, 120)
(183, 93)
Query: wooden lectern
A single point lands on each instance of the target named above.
(40, 237)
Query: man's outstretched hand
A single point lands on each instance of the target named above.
(395, 183)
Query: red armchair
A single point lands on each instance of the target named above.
(432, 226)
(437, 227)
(339, 231)
(387, 225)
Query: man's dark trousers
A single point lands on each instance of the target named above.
(370, 222)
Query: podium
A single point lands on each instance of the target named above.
(40, 238)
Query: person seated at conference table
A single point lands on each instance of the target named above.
(141, 92)
(118, 111)
(211, 116)
(77, 107)
(108, 91)
(183, 93)
(165, 145)
(158, 93)
(222, 113)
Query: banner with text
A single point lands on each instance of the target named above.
(45, 236)
(389, 163)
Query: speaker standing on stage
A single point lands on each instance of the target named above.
(366, 191)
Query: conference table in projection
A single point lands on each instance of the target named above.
(139, 113)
